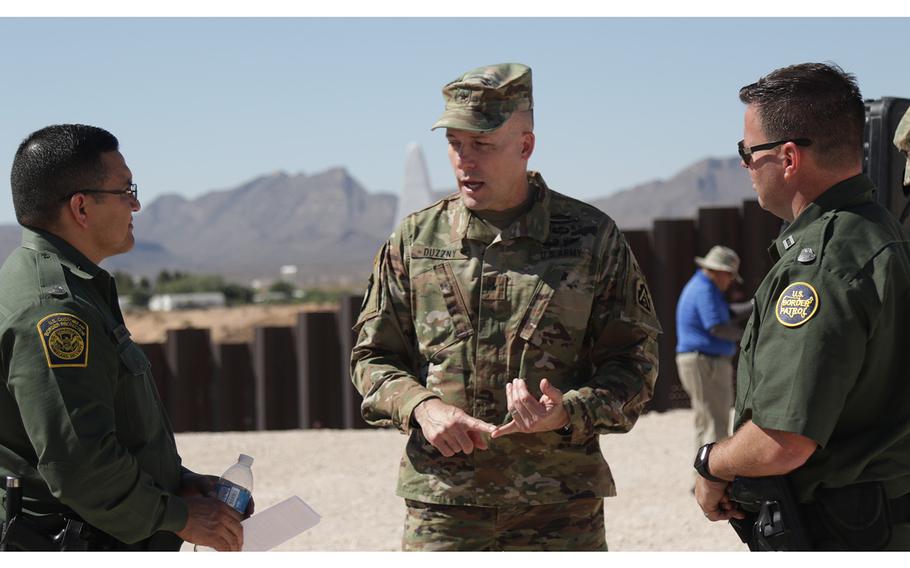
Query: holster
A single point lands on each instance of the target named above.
(773, 521)
(23, 534)
(50, 533)
(65, 532)
(26, 534)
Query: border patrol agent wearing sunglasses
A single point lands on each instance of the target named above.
(818, 459)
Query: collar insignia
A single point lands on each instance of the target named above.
(806, 256)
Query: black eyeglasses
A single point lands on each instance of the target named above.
(745, 154)
(132, 191)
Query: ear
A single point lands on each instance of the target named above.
(77, 209)
(527, 144)
(793, 159)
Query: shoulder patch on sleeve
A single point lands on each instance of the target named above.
(65, 340)
(643, 296)
(796, 304)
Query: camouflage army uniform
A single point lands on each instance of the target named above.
(455, 310)
(81, 423)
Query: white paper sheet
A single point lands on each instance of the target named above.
(277, 524)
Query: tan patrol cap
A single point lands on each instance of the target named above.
(483, 99)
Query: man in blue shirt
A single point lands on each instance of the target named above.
(706, 339)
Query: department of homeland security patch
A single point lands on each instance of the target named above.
(65, 340)
(796, 304)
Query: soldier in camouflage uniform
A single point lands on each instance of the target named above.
(503, 330)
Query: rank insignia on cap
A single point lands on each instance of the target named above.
(796, 304)
(65, 340)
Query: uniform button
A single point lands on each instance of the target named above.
(57, 291)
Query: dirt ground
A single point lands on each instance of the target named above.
(348, 477)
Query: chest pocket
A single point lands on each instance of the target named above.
(553, 328)
(441, 313)
(137, 405)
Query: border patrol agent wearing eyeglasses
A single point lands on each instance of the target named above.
(81, 423)
(822, 385)
(506, 311)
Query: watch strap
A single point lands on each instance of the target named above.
(701, 463)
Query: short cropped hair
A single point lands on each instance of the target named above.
(817, 101)
(54, 162)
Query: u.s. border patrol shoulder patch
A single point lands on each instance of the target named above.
(796, 304)
(65, 340)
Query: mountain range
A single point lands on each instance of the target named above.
(330, 226)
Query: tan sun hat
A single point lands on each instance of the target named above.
(721, 258)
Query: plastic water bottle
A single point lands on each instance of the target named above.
(236, 484)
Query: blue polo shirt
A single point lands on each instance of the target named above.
(701, 306)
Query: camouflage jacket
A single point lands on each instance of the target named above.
(454, 310)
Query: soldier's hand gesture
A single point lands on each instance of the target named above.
(530, 414)
(450, 429)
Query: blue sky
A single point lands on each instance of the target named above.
(204, 104)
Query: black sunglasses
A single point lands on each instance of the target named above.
(132, 191)
(745, 154)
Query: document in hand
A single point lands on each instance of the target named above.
(277, 524)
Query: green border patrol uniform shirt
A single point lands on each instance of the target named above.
(826, 353)
(455, 310)
(80, 418)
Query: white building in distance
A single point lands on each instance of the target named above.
(171, 302)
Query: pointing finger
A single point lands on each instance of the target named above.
(510, 428)
(474, 424)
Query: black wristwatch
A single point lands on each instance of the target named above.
(701, 463)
